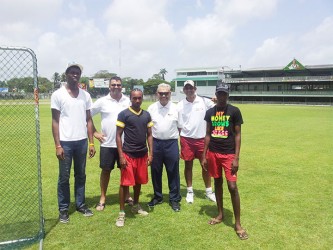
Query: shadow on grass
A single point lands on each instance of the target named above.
(211, 211)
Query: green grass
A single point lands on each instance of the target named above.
(285, 184)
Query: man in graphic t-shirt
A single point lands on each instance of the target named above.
(221, 151)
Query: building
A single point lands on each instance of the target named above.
(294, 83)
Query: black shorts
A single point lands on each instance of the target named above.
(108, 157)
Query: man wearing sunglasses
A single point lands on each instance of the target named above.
(109, 107)
(165, 147)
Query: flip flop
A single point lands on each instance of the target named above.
(242, 234)
(129, 201)
(214, 221)
(100, 206)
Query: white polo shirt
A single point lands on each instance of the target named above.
(193, 114)
(109, 109)
(73, 118)
(165, 120)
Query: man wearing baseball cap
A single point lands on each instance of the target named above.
(222, 151)
(71, 125)
(192, 111)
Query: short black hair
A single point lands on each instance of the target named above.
(134, 90)
(117, 78)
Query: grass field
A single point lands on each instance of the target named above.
(285, 184)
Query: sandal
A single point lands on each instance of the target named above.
(214, 221)
(100, 206)
(129, 201)
(120, 222)
(242, 234)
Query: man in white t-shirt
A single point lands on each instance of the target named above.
(71, 122)
(192, 111)
(109, 107)
(165, 131)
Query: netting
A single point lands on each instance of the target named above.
(21, 218)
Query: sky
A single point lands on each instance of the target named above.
(137, 38)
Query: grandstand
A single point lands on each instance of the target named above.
(293, 83)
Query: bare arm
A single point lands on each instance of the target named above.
(206, 141)
(119, 142)
(150, 145)
(55, 132)
(90, 129)
(235, 163)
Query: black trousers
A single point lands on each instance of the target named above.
(166, 152)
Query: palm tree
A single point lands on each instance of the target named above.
(162, 73)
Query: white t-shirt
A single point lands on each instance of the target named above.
(165, 119)
(72, 121)
(109, 109)
(193, 114)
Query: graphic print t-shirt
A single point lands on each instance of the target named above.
(223, 122)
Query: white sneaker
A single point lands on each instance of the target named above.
(211, 196)
(189, 197)
(120, 222)
(137, 209)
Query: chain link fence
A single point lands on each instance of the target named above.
(21, 217)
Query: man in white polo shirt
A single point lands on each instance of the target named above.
(192, 111)
(165, 118)
(109, 107)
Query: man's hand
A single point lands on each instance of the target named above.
(99, 136)
(149, 160)
(60, 153)
(203, 163)
(122, 162)
(234, 166)
(92, 151)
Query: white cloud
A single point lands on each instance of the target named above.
(28, 11)
(164, 34)
(317, 43)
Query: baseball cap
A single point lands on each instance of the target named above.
(189, 82)
(222, 87)
(74, 64)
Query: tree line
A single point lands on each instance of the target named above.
(26, 84)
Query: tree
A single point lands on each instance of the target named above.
(150, 86)
(56, 80)
(104, 74)
(163, 73)
(26, 85)
(44, 85)
(129, 83)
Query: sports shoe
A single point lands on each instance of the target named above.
(211, 196)
(63, 216)
(137, 209)
(189, 197)
(175, 206)
(120, 222)
(154, 202)
(85, 211)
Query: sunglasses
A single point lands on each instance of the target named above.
(163, 93)
(116, 85)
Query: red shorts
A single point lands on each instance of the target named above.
(217, 161)
(191, 148)
(136, 171)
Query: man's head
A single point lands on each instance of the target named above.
(74, 65)
(73, 73)
(136, 97)
(189, 88)
(115, 85)
(163, 93)
(222, 92)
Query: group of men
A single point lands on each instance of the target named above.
(135, 139)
